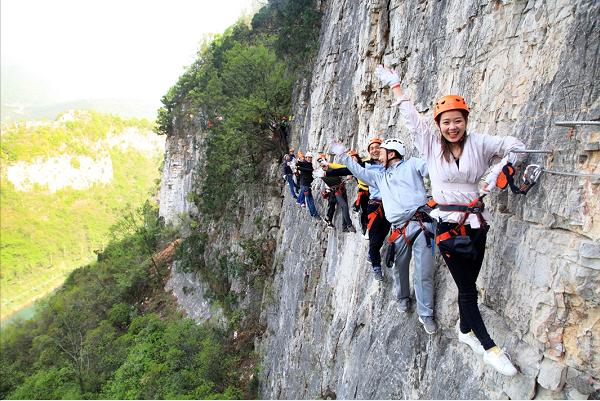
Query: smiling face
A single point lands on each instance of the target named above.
(453, 125)
(374, 151)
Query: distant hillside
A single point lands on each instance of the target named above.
(63, 184)
(127, 108)
(26, 95)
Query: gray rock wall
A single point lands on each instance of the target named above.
(182, 163)
(331, 330)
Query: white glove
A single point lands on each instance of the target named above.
(387, 77)
(337, 148)
(318, 173)
(492, 177)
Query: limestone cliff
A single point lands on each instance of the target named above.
(333, 332)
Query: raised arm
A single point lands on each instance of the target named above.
(335, 171)
(421, 131)
(307, 169)
(370, 178)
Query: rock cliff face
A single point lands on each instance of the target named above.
(331, 331)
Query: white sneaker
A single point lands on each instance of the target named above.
(471, 341)
(499, 361)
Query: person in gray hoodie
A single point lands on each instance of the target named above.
(404, 197)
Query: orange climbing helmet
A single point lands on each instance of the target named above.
(322, 156)
(372, 141)
(300, 153)
(352, 153)
(449, 102)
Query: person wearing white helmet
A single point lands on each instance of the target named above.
(403, 195)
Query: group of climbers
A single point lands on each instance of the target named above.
(335, 194)
(392, 195)
(374, 225)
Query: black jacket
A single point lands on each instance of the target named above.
(286, 169)
(306, 169)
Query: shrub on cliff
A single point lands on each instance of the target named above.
(241, 86)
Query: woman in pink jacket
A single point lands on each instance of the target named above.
(457, 161)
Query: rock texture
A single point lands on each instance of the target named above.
(181, 168)
(522, 66)
(331, 331)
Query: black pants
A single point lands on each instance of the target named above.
(465, 270)
(377, 233)
(362, 206)
(340, 198)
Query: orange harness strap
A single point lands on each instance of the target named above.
(361, 193)
(459, 230)
(373, 217)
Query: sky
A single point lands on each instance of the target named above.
(122, 49)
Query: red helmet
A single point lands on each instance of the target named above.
(372, 141)
(449, 102)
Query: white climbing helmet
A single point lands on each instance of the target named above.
(308, 154)
(394, 144)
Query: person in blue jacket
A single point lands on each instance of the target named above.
(404, 198)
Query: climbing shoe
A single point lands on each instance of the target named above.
(377, 274)
(471, 341)
(403, 305)
(365, 235)
(428, 324)
(499, 361)
(328, 222)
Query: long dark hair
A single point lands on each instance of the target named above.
(446, 148)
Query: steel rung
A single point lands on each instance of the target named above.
(574, 123)
(531, 151)
(597, 176)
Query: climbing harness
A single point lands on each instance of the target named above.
(373, 215)
(530, 176)
(361, 193)
(456, 239)
(421, 216)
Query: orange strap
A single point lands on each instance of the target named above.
(373, 216)
(361, 193)
(396, 232)
(451, 233)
